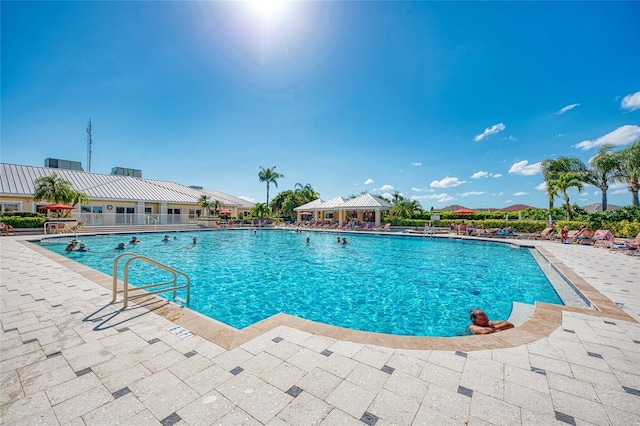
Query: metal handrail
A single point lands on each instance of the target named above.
(125, 290)
(155, 221)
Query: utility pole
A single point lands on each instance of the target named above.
(89, 143)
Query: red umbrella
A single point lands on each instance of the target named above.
(305, 213)
(463, 211)
(225, 211)
(56, 207)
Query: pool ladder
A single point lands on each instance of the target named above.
(173, 284)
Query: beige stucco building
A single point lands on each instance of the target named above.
(115, 199)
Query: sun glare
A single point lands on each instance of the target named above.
(268, 10)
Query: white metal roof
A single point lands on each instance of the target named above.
(311, 205)
(17, 180)
(366, 201)
(332, 203)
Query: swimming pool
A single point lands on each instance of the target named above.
(386, 284)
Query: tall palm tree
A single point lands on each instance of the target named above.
(564, 181)
(397, 196)
(269, 175)
(204, 201)
(552, 168)
(629, 169)
(604, 169)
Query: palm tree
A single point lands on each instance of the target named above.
(604, 168)
(215, 205)
(629, 169)
(204, 201)
(53, 189)
(397, 196)
(564, 181)
(260, 210)
(552, 168)
(308, 194)
(403, 209)
(269, 175)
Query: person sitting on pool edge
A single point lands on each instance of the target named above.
(480, 323)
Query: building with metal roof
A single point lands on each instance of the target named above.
(114, 199)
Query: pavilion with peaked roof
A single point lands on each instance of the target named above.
(340, 207)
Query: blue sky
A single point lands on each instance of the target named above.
(445, 102)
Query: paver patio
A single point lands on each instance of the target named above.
(69, 357)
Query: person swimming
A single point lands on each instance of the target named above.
(120, 246)
(83, 247)
(480, 323)
(166, 238)
(134, 240)
(72, 246)
(195, 240)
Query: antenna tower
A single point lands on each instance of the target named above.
(89, 143)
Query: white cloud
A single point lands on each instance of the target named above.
(440, 198)
(631, 102)
(497, 175)
(560, 135)
(415, 164)
(620, 191)
(490, 131)
(542, 187)
(623, 135)
(414, 189)
(519, 194)
(250, 199)
(567, 108)
(480, 174)
(466, 194)
(524, 168)
(386, 188)
(508, 201)
(510, 138)
(447, 182)
(368, 181)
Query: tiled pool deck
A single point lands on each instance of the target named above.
(69, 357)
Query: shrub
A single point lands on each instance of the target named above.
(23, 221)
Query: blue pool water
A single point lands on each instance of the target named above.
(387, 284)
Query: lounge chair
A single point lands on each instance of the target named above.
(625, 245)
(6, 229)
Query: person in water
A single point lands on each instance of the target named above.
(166, 238)
(73, 246)
(195, 240)
(134, 240)
(83, 247)
(120, 246)
(480, 323)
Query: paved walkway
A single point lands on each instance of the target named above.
(67, 357)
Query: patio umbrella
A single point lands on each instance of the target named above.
(305, 213)
(56, 206)
(225, 211)
(463, 211)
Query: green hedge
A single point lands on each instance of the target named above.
(34, 220)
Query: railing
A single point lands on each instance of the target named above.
(150, 219)
(174, 282)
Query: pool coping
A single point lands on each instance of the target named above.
(545, 319)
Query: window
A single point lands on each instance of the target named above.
(10, 207)
(91, 209)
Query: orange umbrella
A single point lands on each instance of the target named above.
(56, 207)
(225, 211)
(463, 211)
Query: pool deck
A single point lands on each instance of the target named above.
(68, 356)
